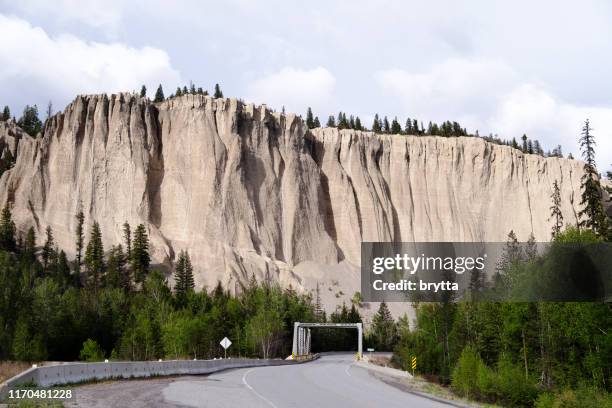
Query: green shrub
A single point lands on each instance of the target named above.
(91, 351)
(583, 397)
(471, 378)
(545, 400)
(466, 374)
(485, 383)
(511, 385)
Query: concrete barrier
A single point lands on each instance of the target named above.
(72, 373)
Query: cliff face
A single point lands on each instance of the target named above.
(245, 190)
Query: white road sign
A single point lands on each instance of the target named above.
(225, 343)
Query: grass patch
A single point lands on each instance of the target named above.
(10, 369)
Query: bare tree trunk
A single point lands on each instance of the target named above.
(525, 353)
(543, 357)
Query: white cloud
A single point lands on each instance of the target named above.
(97, 14)
(295, 89)
(455, 89)
(490, 96)
(65, 65)
(530, 109)
(470, 64)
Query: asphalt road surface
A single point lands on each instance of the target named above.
(331, 381)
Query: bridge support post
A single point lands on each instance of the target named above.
(360, 340)
(294, 348)
(300, 341)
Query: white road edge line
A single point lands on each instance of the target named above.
(346, 370)
(244, 381)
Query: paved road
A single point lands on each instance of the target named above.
(331, 381)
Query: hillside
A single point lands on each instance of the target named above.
(249, 191)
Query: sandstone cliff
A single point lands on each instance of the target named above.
(246, 190)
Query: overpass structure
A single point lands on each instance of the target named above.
(302, 337)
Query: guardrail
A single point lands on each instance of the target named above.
(71, 373)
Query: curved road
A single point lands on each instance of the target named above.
(331, 381)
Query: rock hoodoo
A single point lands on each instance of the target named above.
(246, 190)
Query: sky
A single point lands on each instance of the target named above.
(502, 67)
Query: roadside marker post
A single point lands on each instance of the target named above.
(414, 364)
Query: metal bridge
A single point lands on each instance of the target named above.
(301, 336)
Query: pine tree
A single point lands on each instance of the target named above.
(218, 93)
(127, 237)
(185, 90)
(331, 121)
(514, 143)
(358, 125)
(353, 315)
(94, 258)
(351, 122)
(189, 283)
(408, 127)
(49, 110)
(376, 124)
(511, 254)
(316, 123)
(7, 229)
(384, 330)
(386, 128)
(140, 259)
(62, 268)
(531, 248)
(179, 91)
(192, 88)
(444, 131)
(458, 130)
(537, 149)
(430, 130)
(309, 119)
(529, 147)
(524, 139)
(435, 129)
(476, 281)
(592, 214)
(29, 121)
(6, 114)
(557, 151)
(143, 91)
(80, 217)
(47, 249)
(116, 274)
(159, 94)
(415, 127)
(30, 245)
(179, 275)
(396, 128)
(183, 275)
(555, 210)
